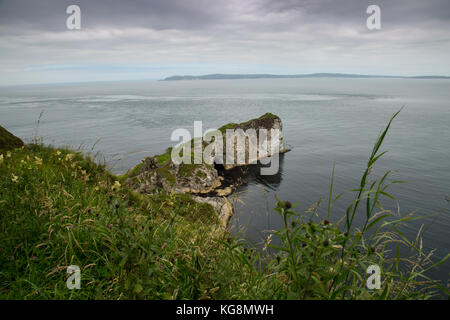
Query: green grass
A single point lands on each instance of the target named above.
(60, 208)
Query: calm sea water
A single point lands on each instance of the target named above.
(326, 122)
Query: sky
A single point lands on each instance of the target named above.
(137, 39)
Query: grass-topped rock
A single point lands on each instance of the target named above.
(201, 178)
(154, 175)
(268, 122)
(160, 172)
(8, 141)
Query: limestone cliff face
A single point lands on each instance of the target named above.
(252, 141)
(203, 181)
(8, 141)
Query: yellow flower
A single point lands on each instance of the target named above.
(8, 154)
(1, 158)
(70, 156)
(116, 185)
(38, 160)
(58, 153)
(14, 178)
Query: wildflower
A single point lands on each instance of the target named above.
(14, 178)
(287, 205)
(38, 161)
(268, 241)
(70, 226)
(110, 226)
(83, 172)
(337, 246)
(1, 158)
(70, 156)
(8, 154)
(325, 243)
(58, 152)
(116, 185)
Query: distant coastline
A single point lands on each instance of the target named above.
(220, 76)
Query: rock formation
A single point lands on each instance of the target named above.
(202, 180)
(8, 141)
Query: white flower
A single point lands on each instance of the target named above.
(14, 178)
(116, 185)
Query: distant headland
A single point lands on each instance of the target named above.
(220, 76)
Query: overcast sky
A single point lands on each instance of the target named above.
(138, 39)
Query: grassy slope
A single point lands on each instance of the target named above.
(59, 209)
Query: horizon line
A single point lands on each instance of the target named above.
(243, 76)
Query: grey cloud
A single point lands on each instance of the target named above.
(301, 35)
(51, 14)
